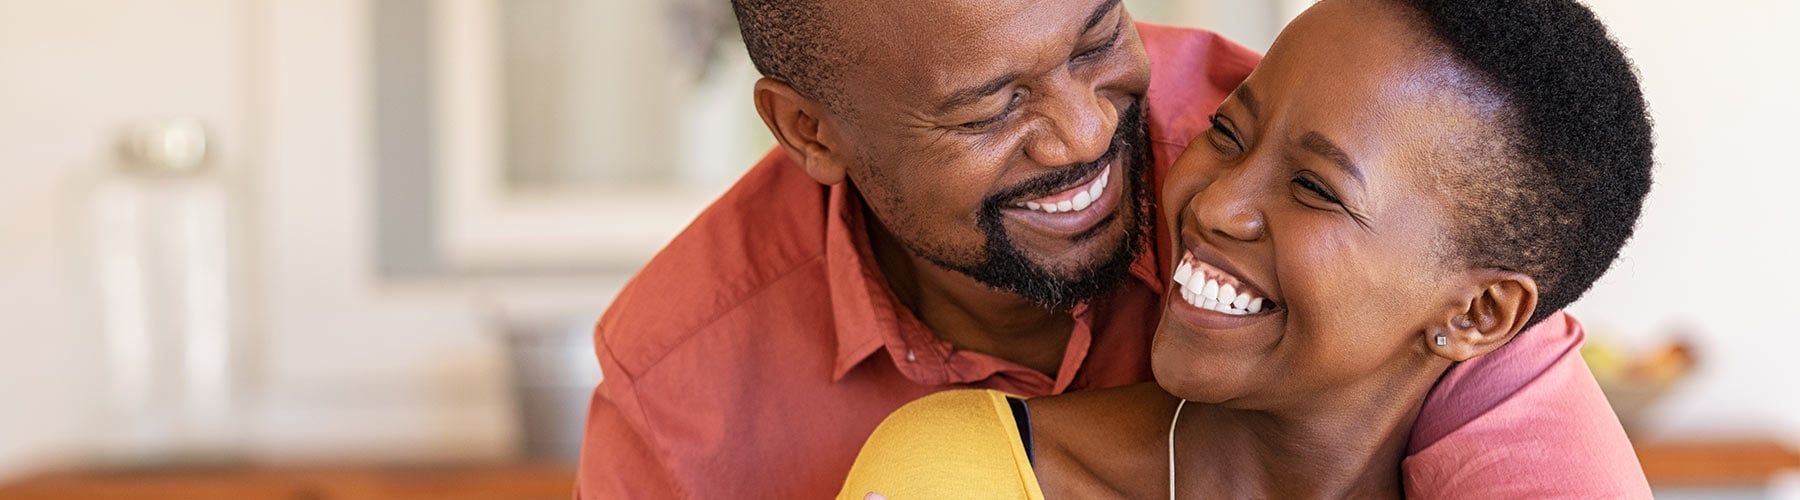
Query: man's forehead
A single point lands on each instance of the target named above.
(942, 44)
(920, 19)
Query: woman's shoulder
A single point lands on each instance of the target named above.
(1103, 443)
(961, 443)
(1132, 407)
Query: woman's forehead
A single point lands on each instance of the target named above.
(1362, 77)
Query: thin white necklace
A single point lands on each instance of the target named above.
(1172, 447)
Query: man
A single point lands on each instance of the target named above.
(962, 198)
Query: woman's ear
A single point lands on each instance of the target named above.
(1493, 315)
(799, 125)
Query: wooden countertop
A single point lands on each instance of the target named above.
(460, 482)
(1742, 463)
(1746, 463)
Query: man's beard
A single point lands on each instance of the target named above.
(1006, 267)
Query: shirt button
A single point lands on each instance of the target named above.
(910, 357)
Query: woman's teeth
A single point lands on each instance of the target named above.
(1209, 288)
(1064, 202)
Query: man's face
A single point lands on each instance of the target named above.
(1003, 139)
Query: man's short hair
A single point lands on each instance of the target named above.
(795, 41)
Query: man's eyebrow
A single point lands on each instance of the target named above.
(969, 95)
(1099, 14)
(1317, 144)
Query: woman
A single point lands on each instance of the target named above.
(1400, 186)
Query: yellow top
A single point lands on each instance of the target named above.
(955, 444)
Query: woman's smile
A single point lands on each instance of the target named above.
(1206, 286)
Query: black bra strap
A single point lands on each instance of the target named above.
(1022, 417)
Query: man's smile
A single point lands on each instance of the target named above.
(1075, 211)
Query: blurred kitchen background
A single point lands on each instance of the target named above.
(353, 248)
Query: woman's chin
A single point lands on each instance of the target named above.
(1196, 373)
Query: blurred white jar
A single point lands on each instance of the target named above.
(166, 263)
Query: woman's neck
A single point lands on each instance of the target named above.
(1346, 443)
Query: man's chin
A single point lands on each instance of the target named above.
(1063, 257)
(1069, 273)
(1073, 259)
(1060, 270)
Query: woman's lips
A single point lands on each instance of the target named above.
(1207, 287)
(1206, 294)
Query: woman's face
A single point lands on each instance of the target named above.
(1312, 203)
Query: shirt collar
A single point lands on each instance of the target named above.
(865, 312)
(862, 307)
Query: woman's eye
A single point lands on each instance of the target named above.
(1316, 188)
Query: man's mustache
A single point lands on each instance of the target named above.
(1055, 182)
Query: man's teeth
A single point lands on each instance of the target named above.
(1209, 288)
(1079, 202)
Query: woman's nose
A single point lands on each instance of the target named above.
(1227, 207)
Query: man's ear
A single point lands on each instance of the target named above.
(800, 126)
(1493, 314)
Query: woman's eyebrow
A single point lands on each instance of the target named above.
(1247, 97)
(1316, 143)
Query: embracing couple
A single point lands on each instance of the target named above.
(1088, 257)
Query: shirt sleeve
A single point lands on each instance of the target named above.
(619, 455)
(1525, 421)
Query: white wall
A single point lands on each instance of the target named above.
(344, 366)
(352, 367)
(1715, 249)
(71, 74)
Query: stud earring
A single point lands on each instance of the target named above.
(1443, 339)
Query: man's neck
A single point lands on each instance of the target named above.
(968, 314)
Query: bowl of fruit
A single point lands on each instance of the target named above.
(1634, 381)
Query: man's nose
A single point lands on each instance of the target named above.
(1078, 124)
